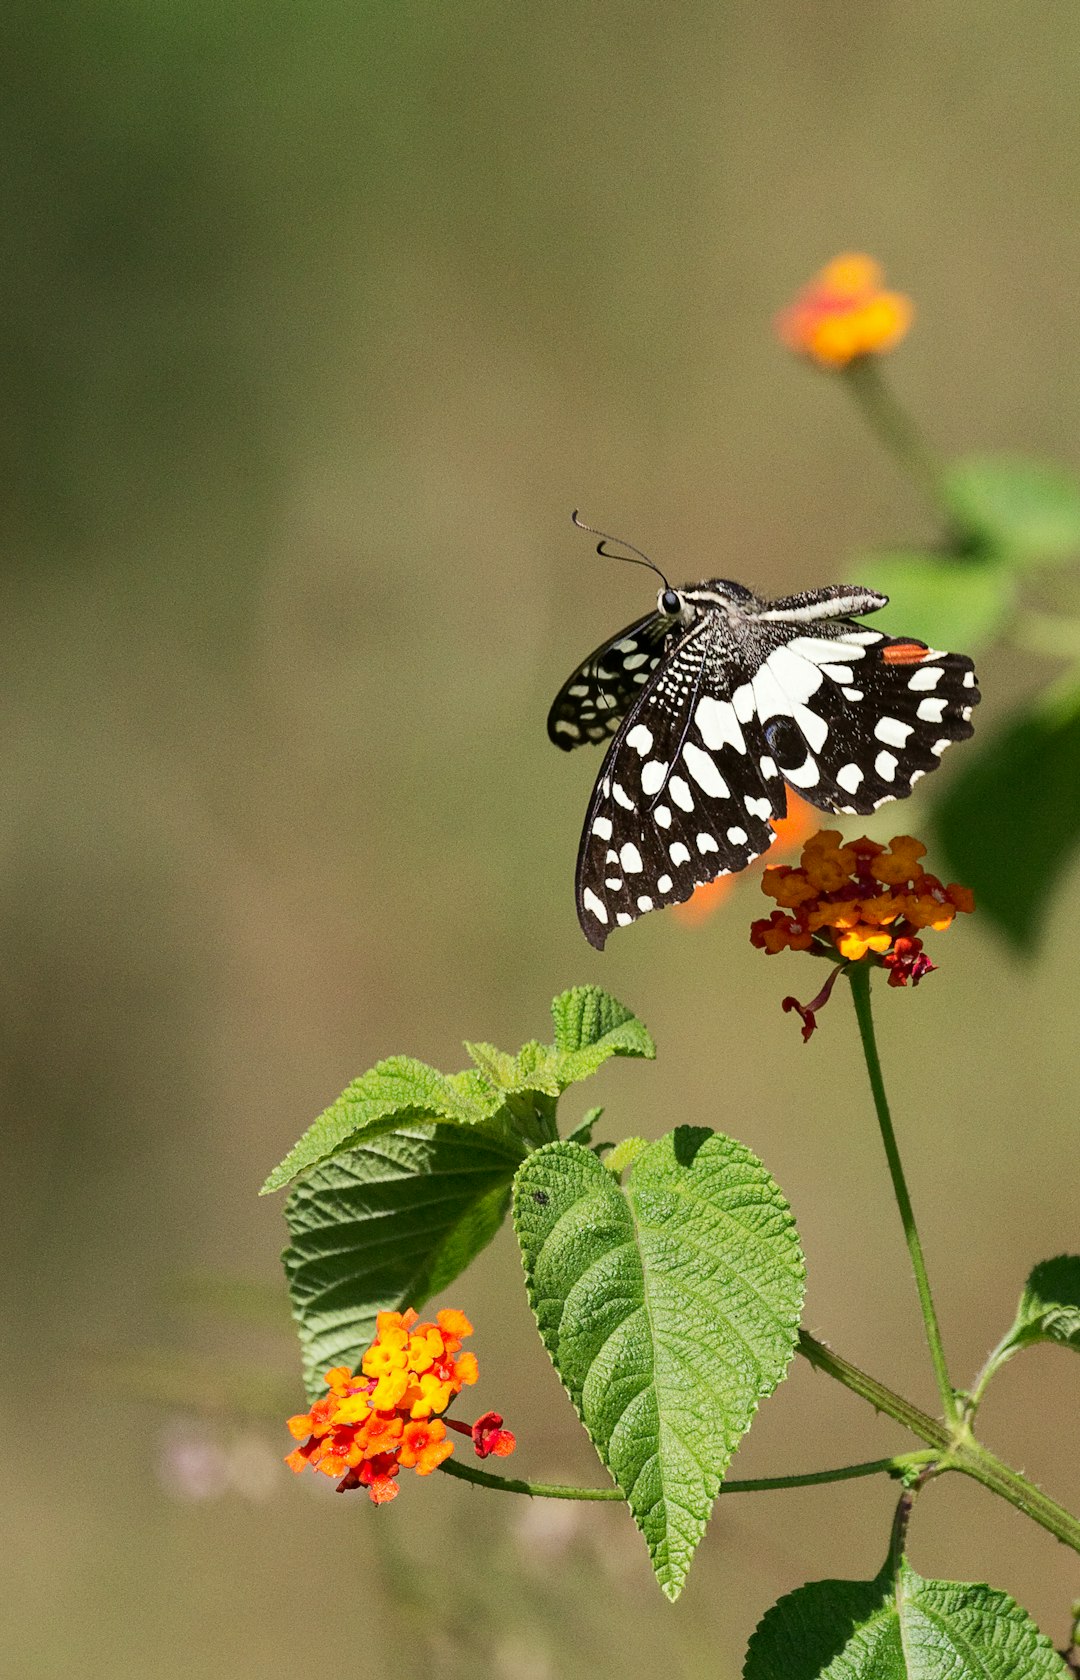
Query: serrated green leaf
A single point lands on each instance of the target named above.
(1009, 820)
(388, 1225)
(956, 605)
(1049, 1309)
(1025, 510)
(902, 1628)
(583, 1131)
(590, 1026)
(532, 1069)
(669, 1307)
(391, 1093)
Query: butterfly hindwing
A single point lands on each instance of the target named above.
(855, 718)
(685, 793)
(592, 702)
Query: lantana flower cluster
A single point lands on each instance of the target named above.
(370, 1425)
(856, 900)
(843, 313)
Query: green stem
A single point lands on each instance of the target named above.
(974, 1460)
(894, 426)
(895, 1466)
(859, 974)
(956, 1449)
(868, 1388)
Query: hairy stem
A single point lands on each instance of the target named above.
(859, 974)
(956, 1448)
(896, 1466)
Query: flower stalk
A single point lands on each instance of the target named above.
(859, 975)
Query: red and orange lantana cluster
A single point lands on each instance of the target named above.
(367, 1427)
(843, 313)
(857, 900)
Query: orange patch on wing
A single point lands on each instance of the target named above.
(905, 653)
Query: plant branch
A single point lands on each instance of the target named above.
(859, 975)
(882, 1399)
(957, 1449)
(896, 1466)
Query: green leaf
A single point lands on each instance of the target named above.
(533, 1069)
(899, 1629)
(669, 1307)
(1049, 1309)
(393, 1092)
(583, 1131)
(1009, 820)
(1026, 510)
(590, 1026)
(388, 1225)
(955, 605)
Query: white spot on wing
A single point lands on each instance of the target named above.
(663, 816)
(613, 882)
(718, 724)
(758, 807)
(652, 776)
(852, 693)
(635, 659)
(640, 739)
(630, 858)
(680, 792)
(796, 677)
(804, 774)
(814, 728)
(678, 852)
(737, 836)
(602, 828)
(596, 905)
(849, 777)
(664, 884)
(622, 797)
(821, 650)
(579, 690)
(623, 919)
(927, 676)
(704, 771)
(939, 747)
(768, 768)
(706, 843)
(839, 673)
(644, 903)
(743, 702)
(932, 710)
(892, 731)
(563, 726)
(969, 679)
(885, 765)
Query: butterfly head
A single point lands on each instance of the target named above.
(718, 595)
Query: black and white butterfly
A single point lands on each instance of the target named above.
(717, 702)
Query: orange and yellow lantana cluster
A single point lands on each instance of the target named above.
(369, 1426)
(859, 897)
(843, 313)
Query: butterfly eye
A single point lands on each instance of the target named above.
(670, 603)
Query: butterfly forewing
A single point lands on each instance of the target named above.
(592, 703)
(685, 793)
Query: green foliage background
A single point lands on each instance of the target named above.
(317, 322)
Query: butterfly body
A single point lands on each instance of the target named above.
(715, 704)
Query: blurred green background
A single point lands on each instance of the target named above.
(317, 322)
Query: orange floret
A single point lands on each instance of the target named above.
(843, 313)
(369, 1425)
(854, 902)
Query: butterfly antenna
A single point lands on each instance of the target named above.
(605, 537)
